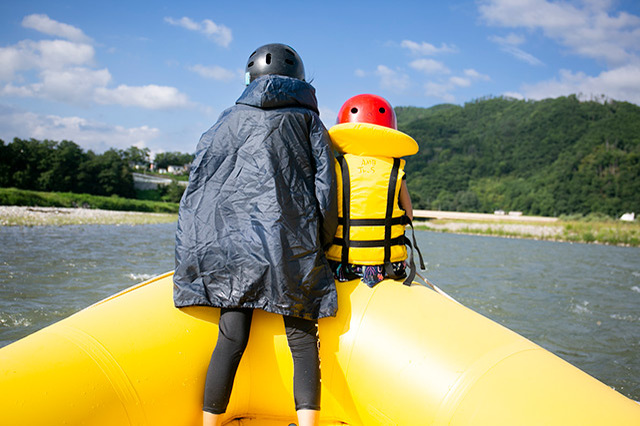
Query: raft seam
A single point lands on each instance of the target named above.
(461, 386)
(112, 370)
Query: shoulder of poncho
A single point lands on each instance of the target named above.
(274, 91)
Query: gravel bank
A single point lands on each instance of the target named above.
(42, 216)
(520, 230)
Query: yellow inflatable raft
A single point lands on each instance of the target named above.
(394, 355)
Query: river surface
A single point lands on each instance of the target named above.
(580, 301)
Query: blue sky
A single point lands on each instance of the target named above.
(157, 74)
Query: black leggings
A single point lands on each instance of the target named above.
(233, 336)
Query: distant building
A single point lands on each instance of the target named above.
(177, 170)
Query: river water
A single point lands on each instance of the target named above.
(580, 301)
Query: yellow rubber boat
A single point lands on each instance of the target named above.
(394, 355)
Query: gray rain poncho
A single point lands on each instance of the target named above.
(260, 206)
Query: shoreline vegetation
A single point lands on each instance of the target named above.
(32, 208)
(569, 229)
(19, 207)
(60, 216)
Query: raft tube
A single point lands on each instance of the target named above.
(394, 355)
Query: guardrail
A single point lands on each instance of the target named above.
(145, 182)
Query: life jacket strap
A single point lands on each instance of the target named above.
(346, 209)
(402, 220)
(398, 241)
(388, 216)
(412, 264)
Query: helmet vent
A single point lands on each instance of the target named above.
(382, 110)
(250, 64)
(268, 58)
(354, 110)
(289, 61)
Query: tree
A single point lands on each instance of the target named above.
(138, 157)
(166, 159)
(62, 174)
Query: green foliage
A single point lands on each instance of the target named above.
(19, 197)
(166, 159)
(171, 193)
(64, 167)
(549, 157)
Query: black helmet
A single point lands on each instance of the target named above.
(274, 58)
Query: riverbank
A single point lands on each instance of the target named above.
(56, 216)
(37, 199)
(610, 232)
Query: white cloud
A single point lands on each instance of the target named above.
(513, 95)
(360, 73)
(510, 44)
(216, 72)
(440, 91)
(63, 72)
(150, 96)
(70, 85)
(83, 86)
(219, 33)
(46, 25)
(391, 79)
(44, 54)
(587, 29)
(621, 84)
(475, 75)
(429, 66)
(443, 89)
(460, 81)
(427, 49)
(89, 134)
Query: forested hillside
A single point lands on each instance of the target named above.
(549, 157)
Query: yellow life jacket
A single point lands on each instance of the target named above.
(371, 222)
(370, 172)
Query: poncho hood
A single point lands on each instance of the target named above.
(275, 91)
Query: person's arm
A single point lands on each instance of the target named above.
(405, 200)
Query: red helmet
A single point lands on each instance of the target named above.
(370, 109)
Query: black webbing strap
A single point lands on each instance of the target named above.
(388, 217)
(374, 222)
(412, 264)
(398, 241)
(346, 209)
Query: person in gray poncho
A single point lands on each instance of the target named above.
(259, 209)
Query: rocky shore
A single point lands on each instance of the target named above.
(42, 216)
(520, 230)
(605, 232)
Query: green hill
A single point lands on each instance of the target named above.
(549, 157)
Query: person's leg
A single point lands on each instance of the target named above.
(303, 341)
(209, 419)
(308, 417)
(233, 336)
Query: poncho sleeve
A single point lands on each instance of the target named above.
(325, 181)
